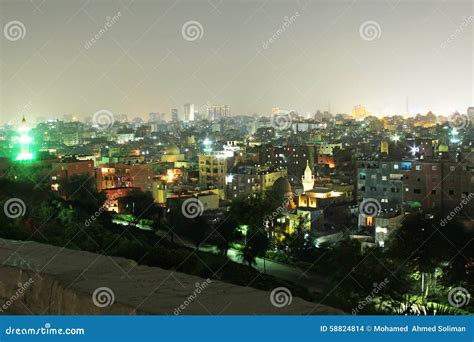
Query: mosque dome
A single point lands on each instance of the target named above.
(282, 186)
(172, 149)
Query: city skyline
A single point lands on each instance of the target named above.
(136, 58)
(240, 158)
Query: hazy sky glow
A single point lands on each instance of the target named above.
(143, 64)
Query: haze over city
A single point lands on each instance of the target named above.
(252, 55)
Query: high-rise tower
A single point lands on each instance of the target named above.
(189, 112)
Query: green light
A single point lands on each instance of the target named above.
(24, 140)
(243, 228)
(25, 156)
(454, 136)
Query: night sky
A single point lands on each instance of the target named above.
(418, 53)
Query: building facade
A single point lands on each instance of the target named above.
(246, 180)
(189, 112)
(216, 112)
(430, 185)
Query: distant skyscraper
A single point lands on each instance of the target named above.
(215, 112)
(189, 112)
(155, 117)
(121, 118)
(470, 111)
(174, 115)
(359, 112)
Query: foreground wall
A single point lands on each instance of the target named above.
(41, 279)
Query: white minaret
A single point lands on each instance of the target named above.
(308, 178)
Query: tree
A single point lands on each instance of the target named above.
(253, 210)
(256, 246)
(80, 190)
(197, 230)
(361, 276)
(225, 235)
(458, 270)
(144, 206)
(247, 255)
(420, 245)
(299, 244)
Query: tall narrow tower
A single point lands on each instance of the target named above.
(308, 178)
(25, 141)
(189, 112)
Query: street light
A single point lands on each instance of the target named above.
(414, 150)
(244, 229)
(395, 138)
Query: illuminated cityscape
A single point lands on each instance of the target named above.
(230, 154)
